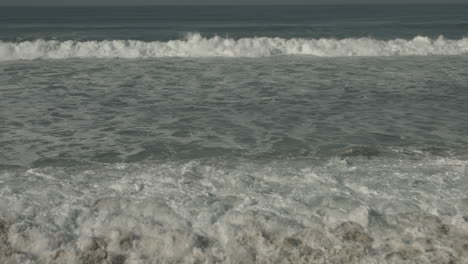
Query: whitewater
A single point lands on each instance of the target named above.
(195, 45)
(391, 208)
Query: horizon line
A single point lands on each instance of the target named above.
(228, 4)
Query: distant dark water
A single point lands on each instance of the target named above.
(292, 134)
(167, 23)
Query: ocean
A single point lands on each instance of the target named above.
(234, 134)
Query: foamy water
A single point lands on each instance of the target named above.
(280, 134)
(234, 161)
(386, 208)
(197, 46)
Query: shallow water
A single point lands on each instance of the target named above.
(82, 111)
(396, 206)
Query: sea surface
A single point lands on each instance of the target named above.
(234, 134)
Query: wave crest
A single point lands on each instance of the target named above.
(195, 45)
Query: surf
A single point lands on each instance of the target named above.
(235, 210)
(196, 45)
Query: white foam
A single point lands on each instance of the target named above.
(238, 211)
(194, 45)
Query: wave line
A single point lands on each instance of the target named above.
(195, 45)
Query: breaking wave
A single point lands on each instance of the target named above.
(195, 45)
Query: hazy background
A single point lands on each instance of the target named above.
(216, 2)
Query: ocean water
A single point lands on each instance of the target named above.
(245, 134)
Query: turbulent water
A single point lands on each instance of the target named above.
(307, 134)
(197, 46)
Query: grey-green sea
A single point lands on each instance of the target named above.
(329, 134)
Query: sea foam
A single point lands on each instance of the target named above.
(195, 45)
(389, 208)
